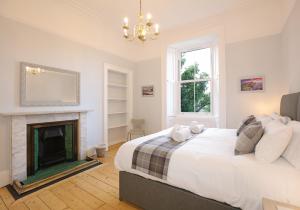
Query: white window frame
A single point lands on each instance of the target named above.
(211, 79)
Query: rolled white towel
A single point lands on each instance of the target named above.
(197, 128)
(181, 133)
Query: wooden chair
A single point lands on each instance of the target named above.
(137, 128)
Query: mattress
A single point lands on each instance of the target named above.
(207, 166)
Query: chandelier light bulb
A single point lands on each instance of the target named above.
(149, 17)
(156, 28)
(144, 32)
(125, 33)
(126, 21)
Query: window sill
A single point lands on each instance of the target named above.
(195, 115)
(209, 121)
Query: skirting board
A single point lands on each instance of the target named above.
(4, 178)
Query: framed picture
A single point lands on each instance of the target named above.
(252, 84)
(148, 91)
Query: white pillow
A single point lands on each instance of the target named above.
(264, 119)
(274, 141)
(292, 153)
(285, 120)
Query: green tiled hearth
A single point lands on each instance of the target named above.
(53, 170)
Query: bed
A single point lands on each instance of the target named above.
(205, 174)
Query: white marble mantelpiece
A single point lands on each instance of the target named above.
(19, 122)
(23, 113)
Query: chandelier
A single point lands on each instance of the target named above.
(144, 30)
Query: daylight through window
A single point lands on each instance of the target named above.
(195, 81)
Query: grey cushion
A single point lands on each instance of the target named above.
(247, 121)
(248, 138)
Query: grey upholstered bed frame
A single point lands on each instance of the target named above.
(153, 195)
(290, 106)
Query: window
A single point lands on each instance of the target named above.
(196, 81)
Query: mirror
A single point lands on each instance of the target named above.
(47, 86)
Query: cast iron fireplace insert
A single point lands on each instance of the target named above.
(51, 143)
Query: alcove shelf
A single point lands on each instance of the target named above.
(116, 85)
(117, 126)
(117, 113)
(117, 103)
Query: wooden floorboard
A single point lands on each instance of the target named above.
(69, 199)
(95, 189)
(101, 185)
(6, 197)
(106, 207)
(112, 180)
(52, 201)
(2, 205)
(18, 206)
(36, 204)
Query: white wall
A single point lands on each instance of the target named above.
(148, 108)
(257, 57)
(80, 21)
(91, 22)
(260, 56)
(22, 43)
(261, 19)
(291, 49)
(266, 18)
(249, 51)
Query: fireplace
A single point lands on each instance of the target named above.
(51, 143)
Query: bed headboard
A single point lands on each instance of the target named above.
(290, 106)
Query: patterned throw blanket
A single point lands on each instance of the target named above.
(152, 157)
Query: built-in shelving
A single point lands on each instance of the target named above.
(117, 113)
(117, 126)
(116, 85)
(117, 99)
(117, 103)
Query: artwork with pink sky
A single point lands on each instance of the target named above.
(252, 84)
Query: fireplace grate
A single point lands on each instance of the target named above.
(50, 144)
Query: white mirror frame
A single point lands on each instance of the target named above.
(25, 102)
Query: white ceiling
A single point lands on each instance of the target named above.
(98, 23)
(168, 13)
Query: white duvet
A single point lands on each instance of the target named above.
(207, 166)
